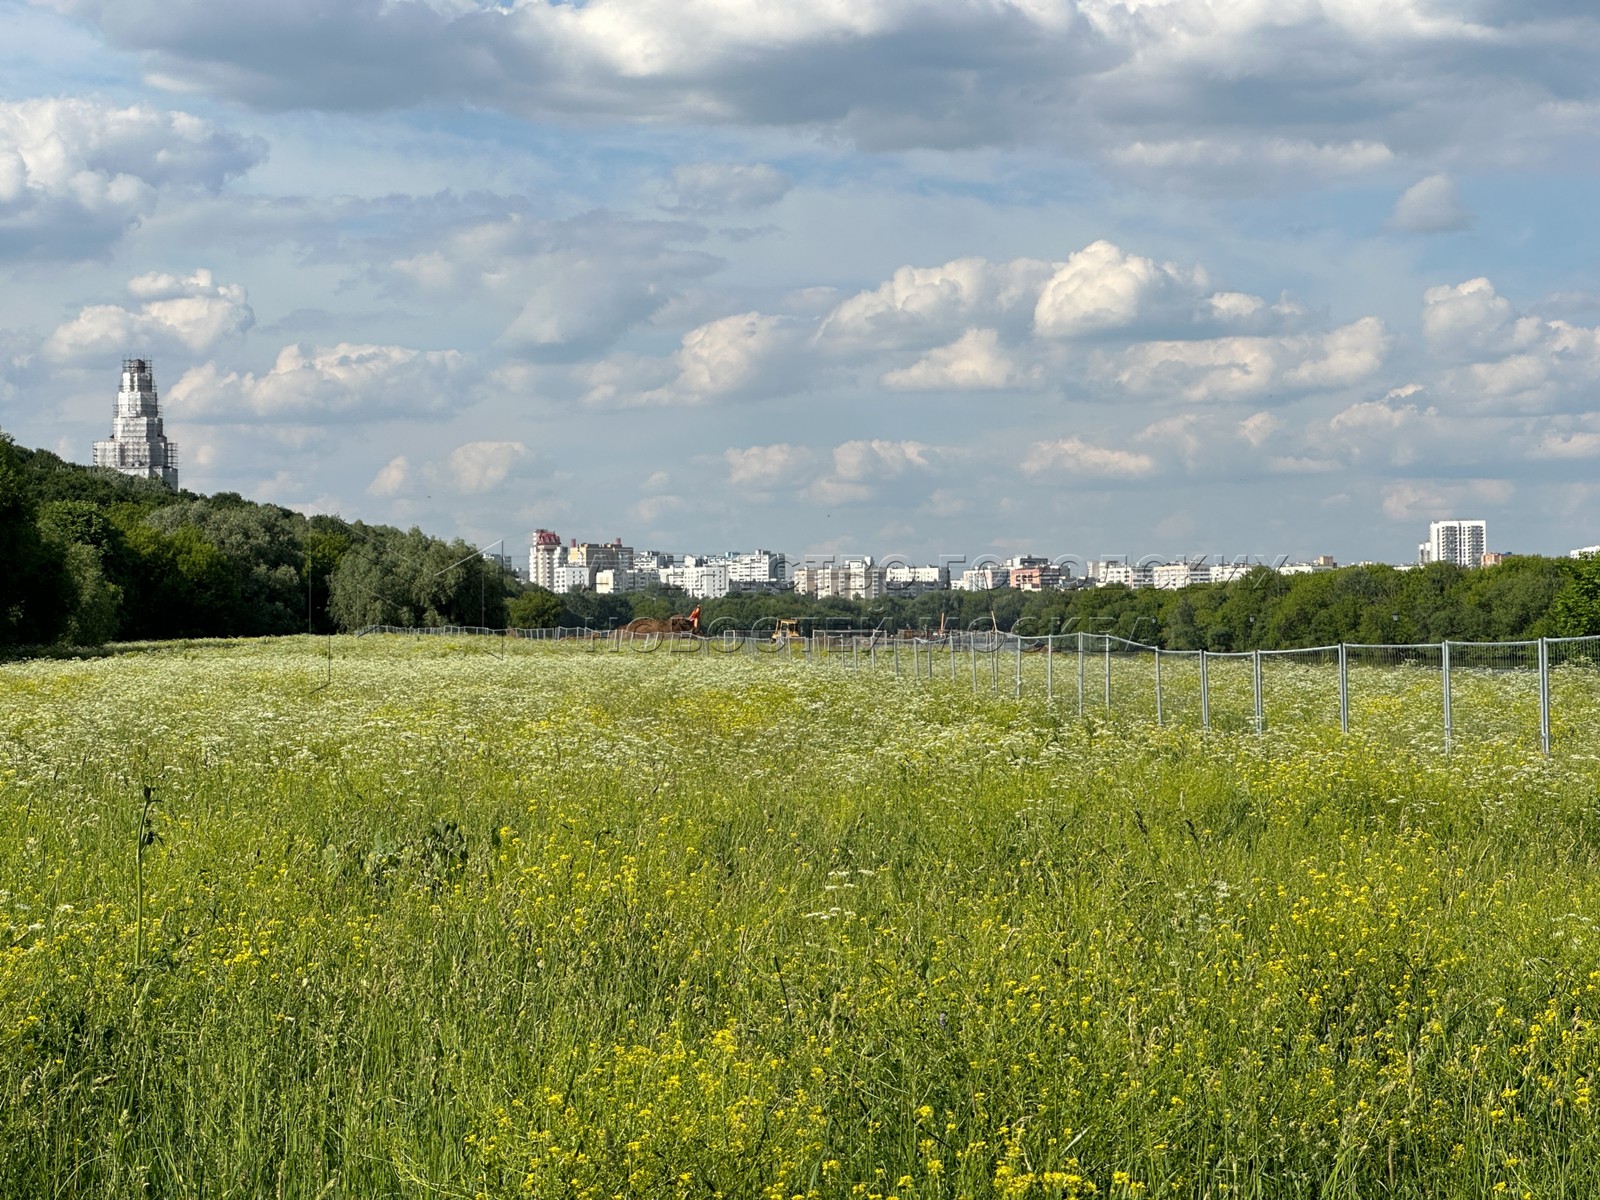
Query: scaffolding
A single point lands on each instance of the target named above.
(138, 446)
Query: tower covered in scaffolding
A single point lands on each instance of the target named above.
(137, 446)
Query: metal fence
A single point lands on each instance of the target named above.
(1538, 691)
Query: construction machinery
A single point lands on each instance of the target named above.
(787, 630)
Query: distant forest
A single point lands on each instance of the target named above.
(88, 556)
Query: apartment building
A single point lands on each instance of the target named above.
(914, 581)
(1454, 541)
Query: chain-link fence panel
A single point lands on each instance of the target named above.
(1494, 693)
(1231, 690)
(1398, 691)
(1574, 694)
(1300, 687)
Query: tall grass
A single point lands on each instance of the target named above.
(643, 925)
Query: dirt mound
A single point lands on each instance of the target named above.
(642, 626)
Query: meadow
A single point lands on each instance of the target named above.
(437, 917)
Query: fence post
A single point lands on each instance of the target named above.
(1544, 696)
(855, 653)
(1344, 689)
(1049, 668)
(1159, 714)
(1080, 672)
(950, 642)
(1107, 638)
(1019, 669)
(1205, 694)
(1444, 662)
(972, 644)
(994, 663)
(1255, 686)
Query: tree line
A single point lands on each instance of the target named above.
(91, 556)
(1525, 597)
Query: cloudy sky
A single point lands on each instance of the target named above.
(888, 276)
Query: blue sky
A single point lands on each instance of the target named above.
(928, 279)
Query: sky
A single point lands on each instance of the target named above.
(1268, 278)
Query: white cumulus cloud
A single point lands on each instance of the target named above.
(921, 306)
(1467, 318)
(974, 362)
(1577, 444)
(1232, 368)
(392, 478)
(477, 467)
(340, 383)
(1074, 456)
(1102, 287)
(739, 356)
(861, 467)
(767, 466)
(1494, 359)
(1430, 205)
(76, 174)
(193, 312)
(878, 458)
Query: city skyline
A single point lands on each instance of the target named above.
(1127, 278)
(572, 564)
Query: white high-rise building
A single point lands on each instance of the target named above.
(1180, 574)
(1231, 572)
(862, 579)
(1103, 572)
(1455, 541)
(573, 566)
(855, 578)
(763, 571)
(984, 579)
(615, 580)
(570, 578)
(137, 446)
(915, 581)
(702, 578)
(544, 556)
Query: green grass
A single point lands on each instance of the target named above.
(621, 924)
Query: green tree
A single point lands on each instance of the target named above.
(592, 610)
(262, 546)
(34, 589)
(1575, 612)
(1512, 600)
(324, 541)
(535, 608)
(95, 614)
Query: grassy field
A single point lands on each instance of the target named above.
(426, 921)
